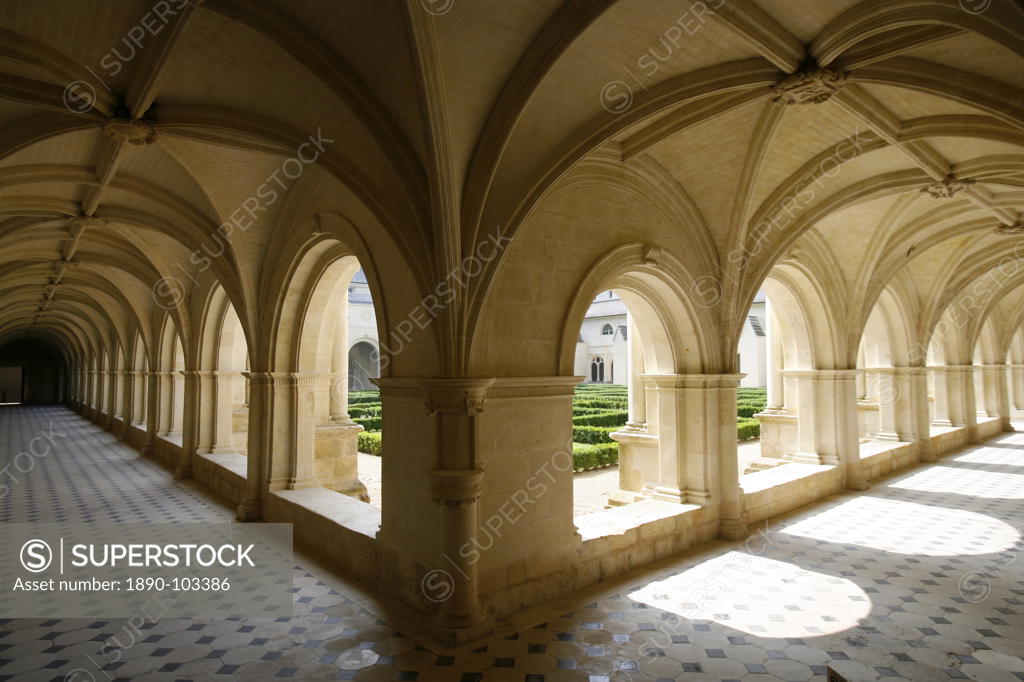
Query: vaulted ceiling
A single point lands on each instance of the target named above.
(131, 131)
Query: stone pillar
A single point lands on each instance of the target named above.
(893, 389)
(731, 514)
(1016, 388)
(827, 425)
(638, 447)
(109, 398)
(190, 423)
(994, 392)
(916, 382)
(266, 401)
(127, 403)
(165, 403)
(954, 395)
(968, 400)
(90, 396)
(139, 397)
(455, 485)
(153, 402)
(697, 460)
(178, 402)
(293, 421)
(635, 386)
(443, 439)
(339, 365)
(774, 361)
(216, 413)
(116, 396)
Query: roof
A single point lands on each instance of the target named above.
(606, 308)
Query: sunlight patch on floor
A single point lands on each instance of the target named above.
(759, 596)
(906, 528)
(963, 481)
(995, 455)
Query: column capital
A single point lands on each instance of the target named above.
(456, 487)
(532, 387)
(211, 373)
(669, 381)
(288, 378)
(459, 397)
(822, 374)
(899, 370)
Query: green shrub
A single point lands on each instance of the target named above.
(600, 405)
(593, 456)
(363, 397)
(370, 443)
(368, 423)
(747, 429)
(746, 412)
(592, 435)
(617, 418)
(364, 410)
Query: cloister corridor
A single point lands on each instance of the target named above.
(919, 578)
(531, 340)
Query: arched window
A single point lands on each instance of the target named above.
(607, 330)
(597, 369)
(363, 364)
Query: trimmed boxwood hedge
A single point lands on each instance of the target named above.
(370, 443)
(592, 435)
(747, 429)
(368, 423)
(598, 411)
(594, 456)
(366, 410)
(617, 418)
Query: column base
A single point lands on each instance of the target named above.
(733, 529)
(352, 487)
(249, 511)
(804, 458)
(302, 483)
(455, 635)
(925, 452)
(666, 494)
(218, 450)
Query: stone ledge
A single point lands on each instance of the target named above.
(342, 510)
(632, 517)
(760, 481)
(232, 462)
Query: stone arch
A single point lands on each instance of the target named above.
(653, 286)
(363, 364)
(222, 423)
(170, 381)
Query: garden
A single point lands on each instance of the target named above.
(598, 410)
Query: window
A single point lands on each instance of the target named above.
(607, 330)
(597, 370)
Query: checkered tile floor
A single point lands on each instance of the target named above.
(919, 578)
